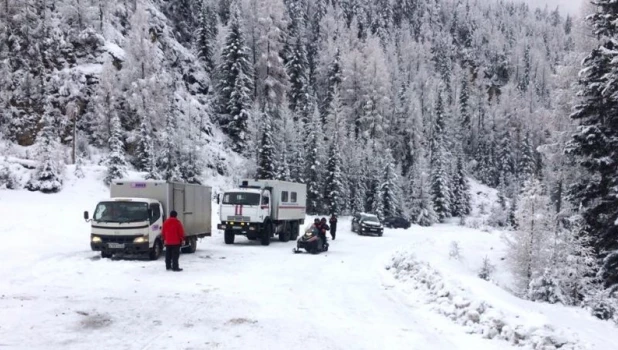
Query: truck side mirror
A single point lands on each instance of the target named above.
(149, 213)
(86, 216)
(219, 198)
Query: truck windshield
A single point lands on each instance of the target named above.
(242, 198)
(121, 212)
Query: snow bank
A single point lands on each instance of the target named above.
(477, 316)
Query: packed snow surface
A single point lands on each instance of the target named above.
(57, 293)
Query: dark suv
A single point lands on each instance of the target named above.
(367, 224)
(396, 222)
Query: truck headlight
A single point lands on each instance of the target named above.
(96, 239)
(142, 239)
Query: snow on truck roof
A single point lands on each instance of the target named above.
(128, 199)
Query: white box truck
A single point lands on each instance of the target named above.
(261, 209)
(130, 221)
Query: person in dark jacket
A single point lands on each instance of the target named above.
(323, 227)
(173, 235)
(333, 226)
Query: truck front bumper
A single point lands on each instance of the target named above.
(240, 228)
(109, 244)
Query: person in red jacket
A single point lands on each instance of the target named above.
(173, 235)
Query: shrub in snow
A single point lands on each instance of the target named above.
(603, 303)
(487, 269)
(79, 165)
(454, 251)
(479, 317)
(543, 287)
(497, 217)
(7, 179)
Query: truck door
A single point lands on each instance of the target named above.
(265, 205)
(178, 202)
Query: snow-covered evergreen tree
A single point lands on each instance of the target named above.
(169, 155)
(116, 162)
(206, 36)
(461, 190)
(234, 72)
(144, 151)
(528, 245)
(595, 142)
(527, 162)
(298, 72)
(333, 182)
(440, 183)
(390, 188)
(313, 165)
(266, 155)
(48, 177)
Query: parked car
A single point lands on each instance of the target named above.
(367, 224)
(396, 222)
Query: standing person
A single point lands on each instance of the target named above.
(323, 228)
(173, 235)
(333, 226)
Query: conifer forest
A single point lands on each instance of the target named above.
(385, 106)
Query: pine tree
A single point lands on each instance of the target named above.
(333, 182)
(238, 106)
(271, 76)
(465, 118)
(525, 78)
(527, 162)
(234, 71)
(116, 162)
(169, 155)
(298, 71)
(506, 161)
(461, 191)
(593, 146)
(144, 151)
(390, 188)
(313, 176)
(266, 155)
(440, 186)
(48, 177)
(206, 36)
(333, 82)
(528, 245)
(421, 203)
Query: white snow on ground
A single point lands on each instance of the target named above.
(56, 293)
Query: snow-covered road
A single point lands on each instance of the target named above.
(56, 293)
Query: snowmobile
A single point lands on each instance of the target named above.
(311, 242)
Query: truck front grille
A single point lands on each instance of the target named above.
(118, 239)
(238, 218)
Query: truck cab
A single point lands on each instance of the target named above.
(246, 205)
(261, 209)
(132, 225)
(130, 221)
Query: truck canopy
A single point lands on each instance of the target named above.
(288, 198)
(192, 202)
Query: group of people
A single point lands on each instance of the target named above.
(173, 235)
(321, 226)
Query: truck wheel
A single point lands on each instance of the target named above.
(285, 235)
(295, 226)
(192, 246)
(105, 255)
(267, 231)
(155, 251)
(229, 237)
